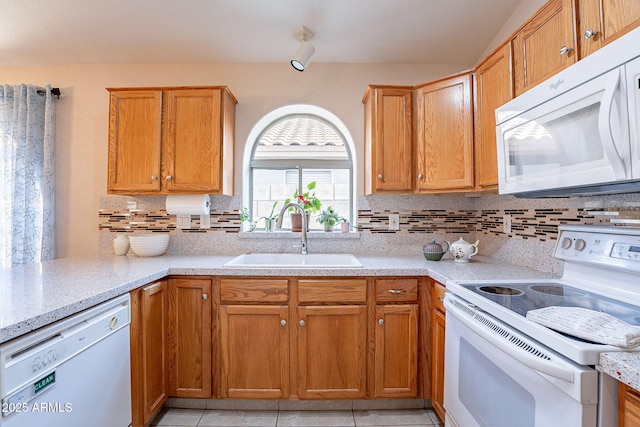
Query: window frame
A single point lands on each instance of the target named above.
(298, 110)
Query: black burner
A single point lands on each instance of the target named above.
(500, 290)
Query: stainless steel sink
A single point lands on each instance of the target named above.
(294, 261)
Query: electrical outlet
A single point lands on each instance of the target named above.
(183, 221)
(506, 224)
(394, 222)
(205, 221)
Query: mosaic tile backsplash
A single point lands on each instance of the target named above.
(531, 223)
(530, 243)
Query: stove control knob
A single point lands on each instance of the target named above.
(566, 243)
(580, 245)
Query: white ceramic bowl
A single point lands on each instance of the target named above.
(149, 244)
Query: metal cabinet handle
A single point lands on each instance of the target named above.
(302, 323)
(379, 176)
(395, 291)
(169, 177)
(381, 321)
(205, 297)
(590, 33)
(420, 176)
(153, 177)
(564, 50)
(283, 322)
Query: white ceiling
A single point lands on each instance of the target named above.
(63, 32)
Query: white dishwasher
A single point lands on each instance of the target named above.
(72, 373)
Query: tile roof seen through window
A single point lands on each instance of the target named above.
(301, 131)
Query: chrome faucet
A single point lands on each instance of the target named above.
(303, 245)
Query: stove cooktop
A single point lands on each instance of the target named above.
(522, 297)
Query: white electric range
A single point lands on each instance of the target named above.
(501, 367)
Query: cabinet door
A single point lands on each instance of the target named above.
(437, 363)
(494, 87)
(149, 367)
(629, 406)
(538, 50)
(619, 17)
(134, 141)
(192, 149)
(602, 21)
(445, 135)
(332, 352)
(388, 140)
(396, 351)
(190, 338)
(255, 351)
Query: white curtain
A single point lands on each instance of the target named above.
(27, 175)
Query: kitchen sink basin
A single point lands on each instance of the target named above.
(294, 261)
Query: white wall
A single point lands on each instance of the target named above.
(521, 13)
(82, 116)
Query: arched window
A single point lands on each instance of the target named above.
(292, 147)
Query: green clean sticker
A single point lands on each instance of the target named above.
(44, 382)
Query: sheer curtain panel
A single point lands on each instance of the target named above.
(27, 175)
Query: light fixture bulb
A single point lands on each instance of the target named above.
(303, 56)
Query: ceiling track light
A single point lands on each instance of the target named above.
(303, 55)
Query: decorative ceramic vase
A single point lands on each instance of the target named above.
(296, 222)
(344, 227)
(434, 251)
(328, 227)
(121, 244)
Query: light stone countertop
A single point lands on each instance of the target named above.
(623, 366)
(36, 295)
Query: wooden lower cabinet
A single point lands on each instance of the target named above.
(190, 323)
(254, 343)
(332, 352)
(629, 406)
(149, 367)
(396, 351)
(277, 338)
(437, 349)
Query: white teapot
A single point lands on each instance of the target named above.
(463, 250)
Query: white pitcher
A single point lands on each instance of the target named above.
(462, 250)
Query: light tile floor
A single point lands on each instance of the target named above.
(174, 417)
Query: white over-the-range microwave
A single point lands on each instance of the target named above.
(577, 132)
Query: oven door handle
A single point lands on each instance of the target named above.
(548, 367)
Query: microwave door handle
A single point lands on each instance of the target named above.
(544, 366)
(606, 131)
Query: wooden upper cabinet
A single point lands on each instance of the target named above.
(171, 140)
(134, 141)
(545, 45)
(601, 21)
(494, 87)
(388, 139)
(444, 140)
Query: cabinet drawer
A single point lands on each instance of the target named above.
(438, 292)
(397, 290)
(254, 290)
(349, 291)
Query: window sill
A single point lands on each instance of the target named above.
(311, 235)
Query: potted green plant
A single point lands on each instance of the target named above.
(309, 202)
(270, 220)
(245, 217)
(329, 218)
